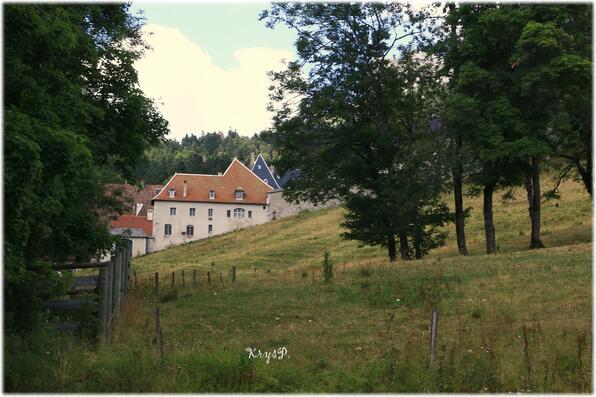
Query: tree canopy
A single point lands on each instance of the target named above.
(208, 153)
(72, 108)
(361, 130)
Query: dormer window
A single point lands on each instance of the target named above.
(211, 194)
(239, 194)
(172, 193)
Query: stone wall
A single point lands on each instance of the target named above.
(280, 208)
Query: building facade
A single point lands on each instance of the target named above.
(195, 206)
(135, 224)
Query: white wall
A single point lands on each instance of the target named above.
(139, 246)
(221, 223)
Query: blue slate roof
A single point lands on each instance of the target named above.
(261, 169)
(287, 177)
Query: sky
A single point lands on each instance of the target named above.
(207, 70)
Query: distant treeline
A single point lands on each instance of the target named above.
(208, 153)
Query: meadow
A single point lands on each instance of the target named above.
(518, 321)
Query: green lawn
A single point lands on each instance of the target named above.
(512, 322)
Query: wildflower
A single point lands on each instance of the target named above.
(277, 318)
(470, 351)
(398, 299)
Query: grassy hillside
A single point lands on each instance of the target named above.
(298, 242)
(519, 321)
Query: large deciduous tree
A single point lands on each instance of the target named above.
(358, 124)
(72, 106)
(520, 76)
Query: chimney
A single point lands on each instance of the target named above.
(184, 190)
(252, 160)
(272, 169)
(150, 214)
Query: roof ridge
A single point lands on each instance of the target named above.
(249, 170)
(268, 171)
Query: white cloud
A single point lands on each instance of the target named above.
(194, 94)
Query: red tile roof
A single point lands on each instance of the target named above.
(237, 176)
(133, 222)
(129, 195)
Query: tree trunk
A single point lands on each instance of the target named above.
(586, 175)
(457, 168)
(532, 185)
(489, 226)
(391, 248)
(459, 207)
(417, 249)
(403, 246)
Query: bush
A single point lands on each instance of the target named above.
(168, 296)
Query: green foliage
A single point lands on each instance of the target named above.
(73, 110)
(362, 130)
(169, 295)
(518, 94)
(208, 153)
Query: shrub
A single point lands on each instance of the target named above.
(476, 313)
(168, 296)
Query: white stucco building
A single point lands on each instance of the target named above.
(136, 228)
(195, 206)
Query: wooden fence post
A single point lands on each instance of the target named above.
(234, 274)
(183, 278)
(135, 273)
(209, 278)
(194, 278)
(220, 277)
(103, 300)
(115, 283)
(156, 283)
(158, 332)
(128, 263)
(433, 334)
(173, 279)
